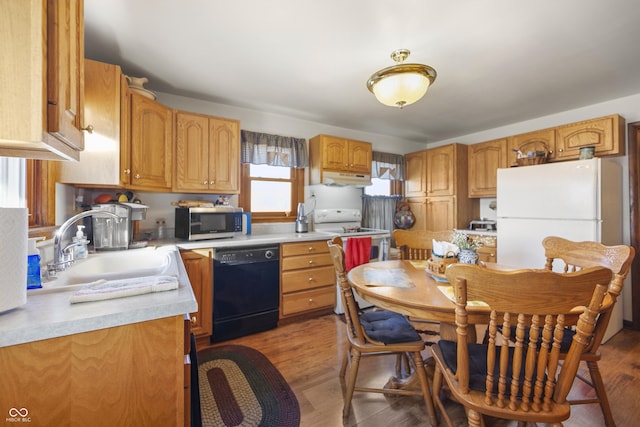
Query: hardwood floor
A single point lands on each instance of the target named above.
(309, 353)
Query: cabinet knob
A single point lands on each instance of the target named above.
(310, 261)
(194, 320)
(310, 301)
(137, 176)
(88, 128)
(127, 171)
(205, 182)
(310, 279)
(559, 149)
(211, 182)
(310, 248)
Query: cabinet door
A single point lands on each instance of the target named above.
(125, 132)
(539, 140)
(224, 155)
(191, 169)
(335, 153)
(360, 157)
(440, 213)
(198, 265)
(418, 206)
(440, 171)
(415, 176)
(65, 71)
(151, 144)
(99, 163)
(604, 134)
(484, 160)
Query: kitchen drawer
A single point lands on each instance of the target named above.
(487, 254)
(308, 261)
(299, 280)
(299, 302)
(304, 248)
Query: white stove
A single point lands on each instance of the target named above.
(347, 223)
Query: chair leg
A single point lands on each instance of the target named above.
(474, 418)
(436, 389)
(424, 383)
(601, 392)
(345, 361)
(351, 384)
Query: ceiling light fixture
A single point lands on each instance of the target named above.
(401, 84)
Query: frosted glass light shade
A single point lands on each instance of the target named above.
(401, 84)
(401, 89)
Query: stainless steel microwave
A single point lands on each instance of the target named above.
(207, 223)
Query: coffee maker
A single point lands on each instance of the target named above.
(111, 235)
(302, 226)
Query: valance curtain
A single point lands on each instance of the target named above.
(387, 166)
(273, 150)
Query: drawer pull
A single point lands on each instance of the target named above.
(310, 279)
(310, 301)
(310, 248)
(194, 320)
(310, 261)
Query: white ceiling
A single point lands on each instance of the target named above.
(498, 61)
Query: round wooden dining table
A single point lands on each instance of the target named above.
(405, 287)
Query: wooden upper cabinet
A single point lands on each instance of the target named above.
(606, 134)
(207, 155)
(151, 144)
(65, 78)
(41, 79)
(99, 163)
(539, 140)
(441, 165)
(224, 155)
(415, 180)
(484, 161)
(332, 153)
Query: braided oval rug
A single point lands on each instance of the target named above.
(240, 387)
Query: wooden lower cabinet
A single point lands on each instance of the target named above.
(308, 280)
(126, 375)
(488, 252)
(199, 266)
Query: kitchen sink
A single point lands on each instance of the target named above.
(116, 265)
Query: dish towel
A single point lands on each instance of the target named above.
(357, 250)
(109, 289)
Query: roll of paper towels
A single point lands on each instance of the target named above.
(13, 257)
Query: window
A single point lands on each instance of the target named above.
(378, 187)
(271, 193)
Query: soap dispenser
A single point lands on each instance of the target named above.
(80, 251)
(33, 265)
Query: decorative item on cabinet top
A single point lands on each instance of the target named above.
(136, 85)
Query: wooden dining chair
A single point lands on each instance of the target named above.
(574, 256)
(378, 332)
(523, 382)
(417, 245)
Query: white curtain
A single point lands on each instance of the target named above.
(13, 173)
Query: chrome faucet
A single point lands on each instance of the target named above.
(63, 257)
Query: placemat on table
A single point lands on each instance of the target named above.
(395, 277)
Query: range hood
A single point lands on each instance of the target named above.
(345, 178)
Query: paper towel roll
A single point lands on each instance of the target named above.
(13, 257)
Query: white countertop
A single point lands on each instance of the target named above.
(255, 239)
(477, 232)
(49, 314)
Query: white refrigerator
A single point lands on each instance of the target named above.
(579, 200)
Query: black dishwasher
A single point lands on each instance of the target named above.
(246, 291)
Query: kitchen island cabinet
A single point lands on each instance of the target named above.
(104, 363)
(41, 79)
(127, 375)
(308, 279)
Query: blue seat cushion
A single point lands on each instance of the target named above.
(478, 365)
(388, 327)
